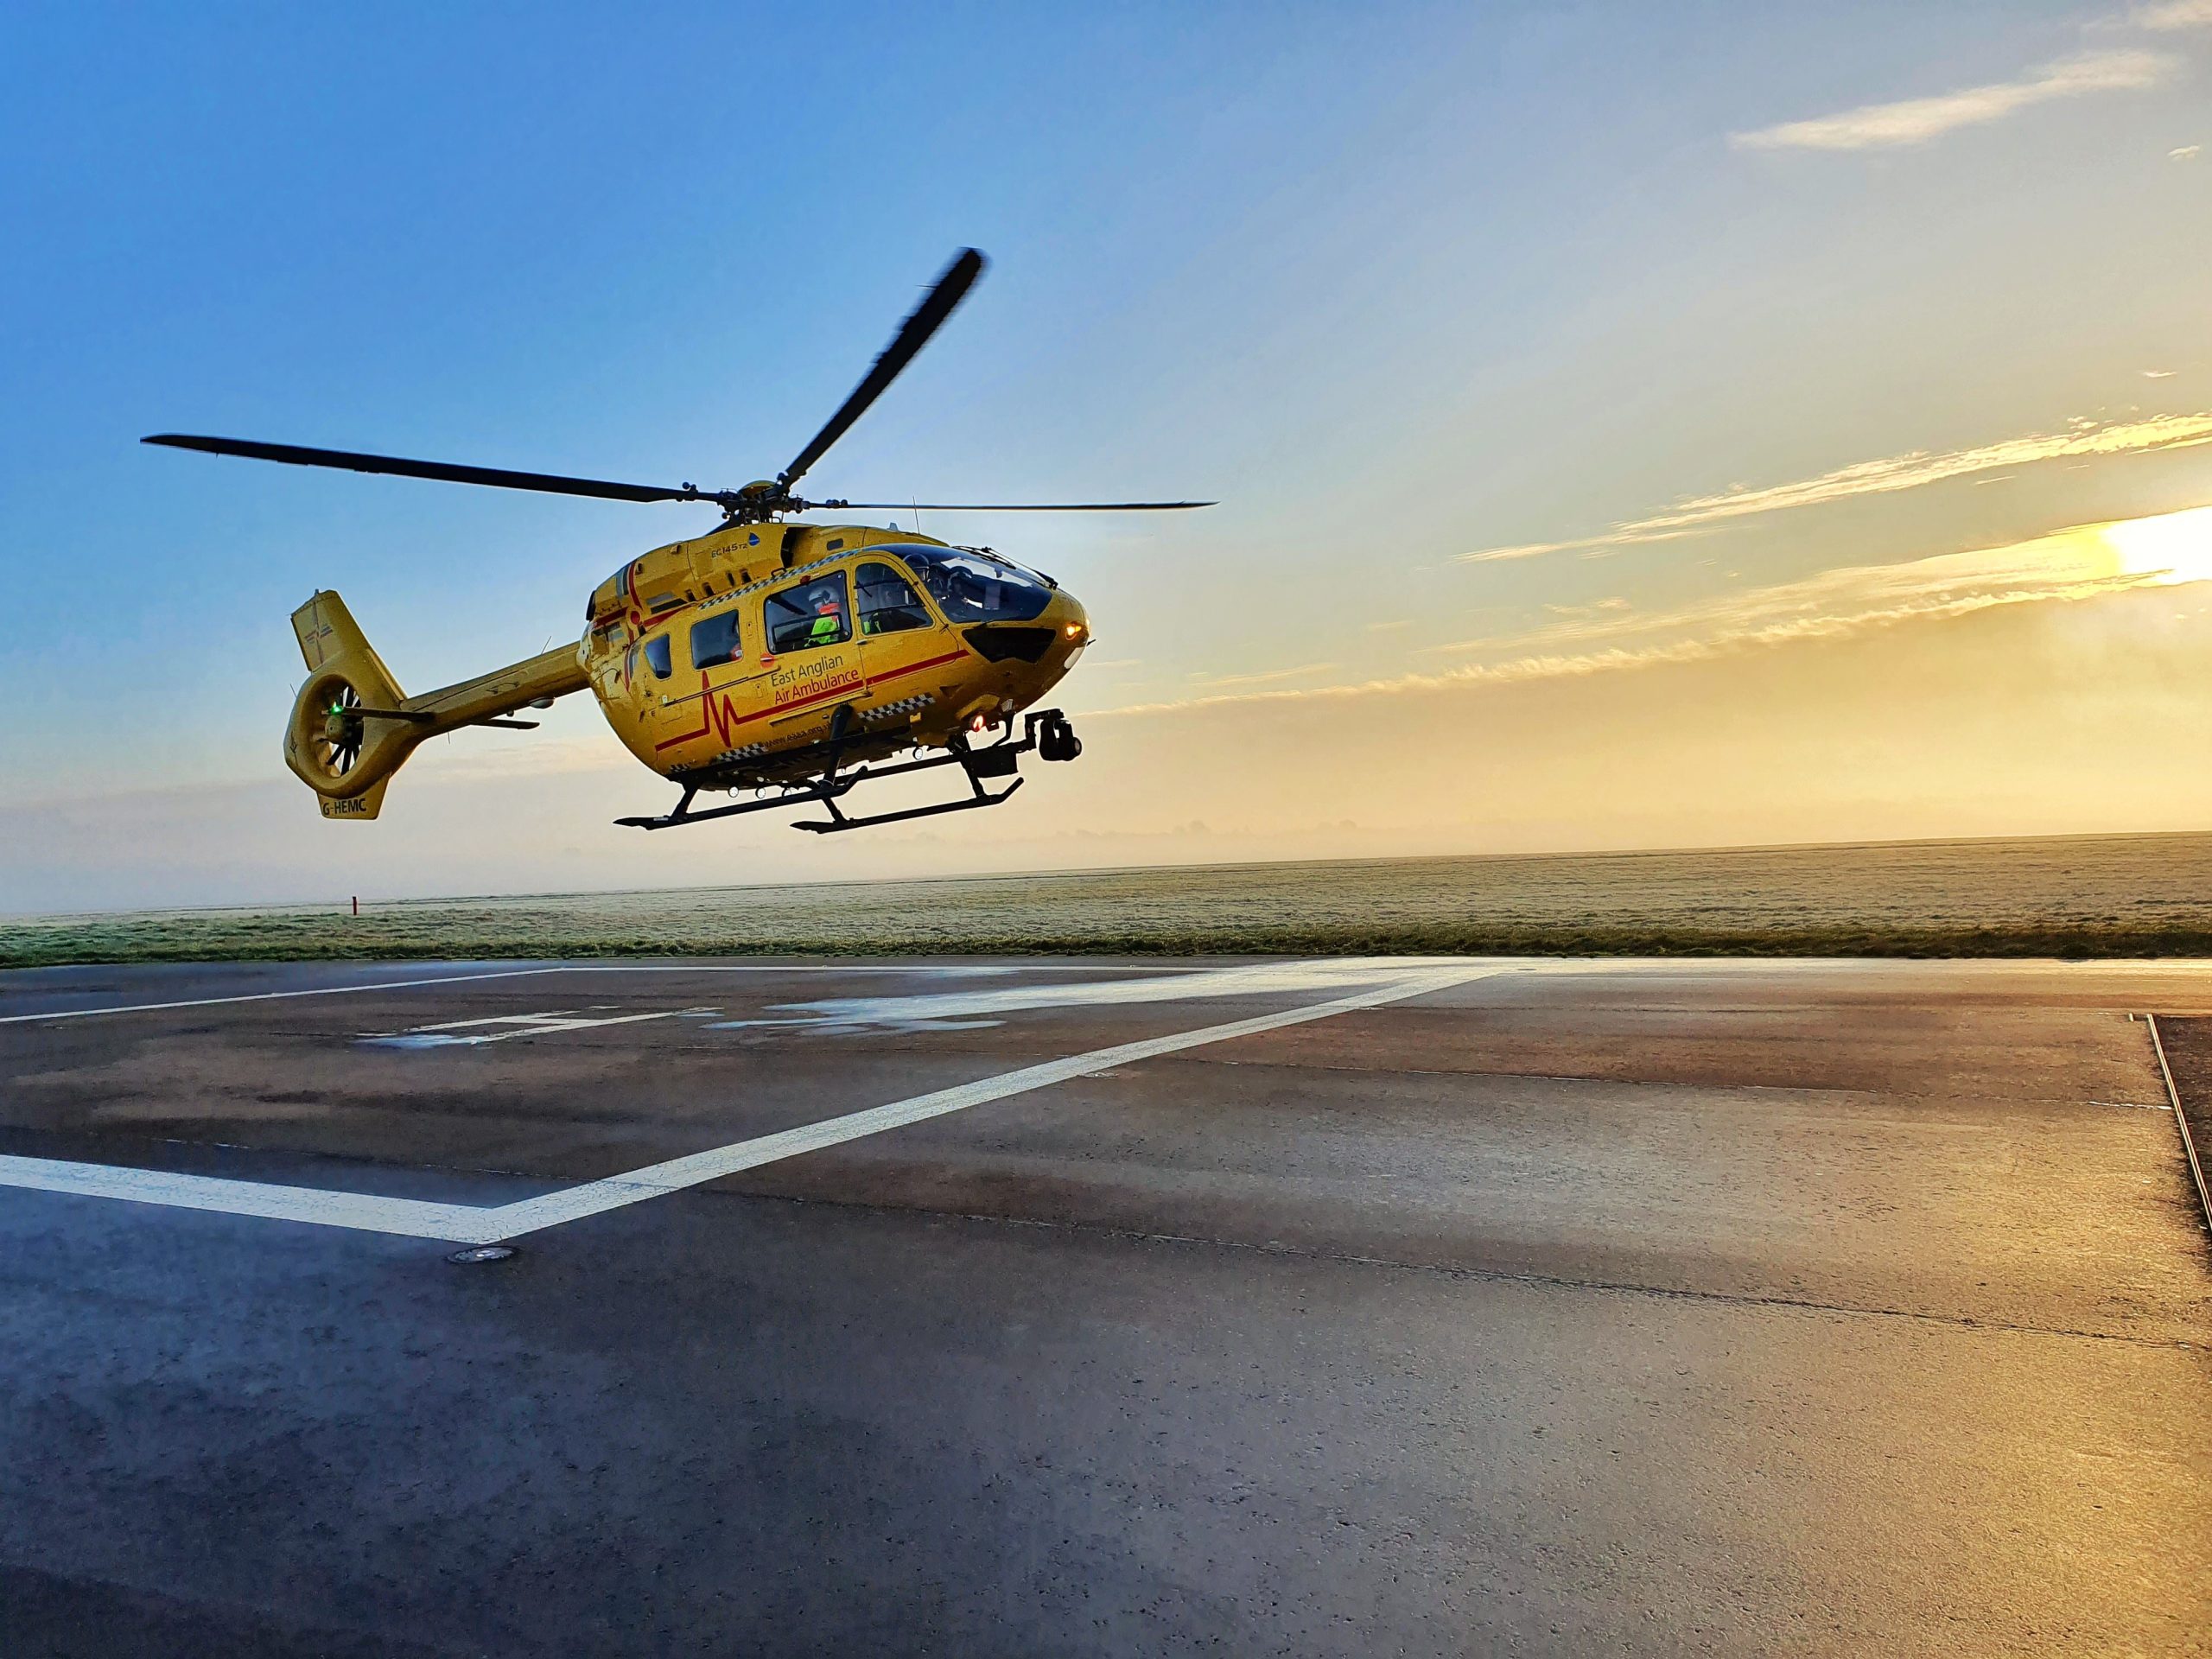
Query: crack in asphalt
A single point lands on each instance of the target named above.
(1505, 1275)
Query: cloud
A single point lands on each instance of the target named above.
(2078, 563)
(2174, 14)
(1918, 120)
(1214, 680)
(2185, 153)
(1882, 477)
(2083, 562)
(1518, 550)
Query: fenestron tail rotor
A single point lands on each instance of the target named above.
(340, 745)
(765, 498)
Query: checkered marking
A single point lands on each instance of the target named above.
(904, 706)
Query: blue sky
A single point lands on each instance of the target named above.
(1396, 284)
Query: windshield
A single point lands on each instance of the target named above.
(969, 587)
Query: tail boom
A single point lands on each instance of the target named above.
(351, 727)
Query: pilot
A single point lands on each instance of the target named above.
(828, 615)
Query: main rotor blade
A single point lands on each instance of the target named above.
(1023, 506)
(913, 334)
(347, 460)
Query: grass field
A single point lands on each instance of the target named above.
(2088, 896)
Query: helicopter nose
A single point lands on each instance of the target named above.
(1074, 624)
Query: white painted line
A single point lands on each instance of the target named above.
(556, 968)
(271, 996)
(409, 1218)
(660, 1179)
(558, 1020)
(949, 1010)
(940, 970)
(479, 1225)
(558, 1017)
(525, 1025)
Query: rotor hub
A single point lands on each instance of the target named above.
(339, 734)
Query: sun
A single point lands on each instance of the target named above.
(2169, 547)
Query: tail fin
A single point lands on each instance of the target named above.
(351, 727)
(329, 638)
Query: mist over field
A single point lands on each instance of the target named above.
(2099, 896)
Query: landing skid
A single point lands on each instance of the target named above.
(837, 821)
(999, 759)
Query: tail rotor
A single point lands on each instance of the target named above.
(339, 746)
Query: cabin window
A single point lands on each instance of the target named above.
(813, 613)
(657, 656)
(889, 603)
(715, 640)
(970, 587)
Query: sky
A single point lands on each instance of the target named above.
(1710, 424)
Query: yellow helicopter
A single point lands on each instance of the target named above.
(792, 661)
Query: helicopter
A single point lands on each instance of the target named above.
(790, 662)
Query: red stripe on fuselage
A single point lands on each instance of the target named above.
(718, 717)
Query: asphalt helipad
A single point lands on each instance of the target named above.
(1413, 1306)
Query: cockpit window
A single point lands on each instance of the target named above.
(657, 656)
(969, 587)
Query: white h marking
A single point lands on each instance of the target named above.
(525, 1025)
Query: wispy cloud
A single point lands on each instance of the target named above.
(2084, 561)
(2185, 153)
(1918, 120)
(2083, 438)
(2072, 563)
(1526, 550)
(1211, 682)
(2173, 14)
